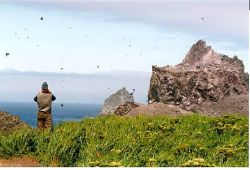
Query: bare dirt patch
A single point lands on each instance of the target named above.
(19, 162)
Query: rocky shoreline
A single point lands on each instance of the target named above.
(205, 82)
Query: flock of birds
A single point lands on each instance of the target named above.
(98, 66)
(7, 54)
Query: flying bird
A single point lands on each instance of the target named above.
(97, 66)
(132, 92)
(41, 18)
(6, 54)
(202, 19)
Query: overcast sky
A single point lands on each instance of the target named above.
(96, 37)
(72, 88)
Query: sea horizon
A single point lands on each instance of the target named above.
(61, 112)
(55, 102)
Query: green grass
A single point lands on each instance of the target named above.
(164, 141)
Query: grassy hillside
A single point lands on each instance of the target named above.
(192, 140)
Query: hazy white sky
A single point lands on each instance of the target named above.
(128, 35)
(117, 35)
(72, 88)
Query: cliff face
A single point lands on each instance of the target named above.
(115, 100)
(205, 82)
(10, 122)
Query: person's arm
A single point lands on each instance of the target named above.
(53, 97)
(35, 99)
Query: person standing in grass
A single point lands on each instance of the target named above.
(44, 101)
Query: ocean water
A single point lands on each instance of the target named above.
(68, 112)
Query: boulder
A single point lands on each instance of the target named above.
(205, 82)
(125, 108)
(10, 122)
(115, 100)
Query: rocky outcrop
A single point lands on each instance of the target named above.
(10, 122)
(125, 108)
(115, 100)
(157, 109)
(205, 82)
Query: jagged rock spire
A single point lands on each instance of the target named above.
(200, 53)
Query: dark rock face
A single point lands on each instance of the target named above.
(205, 82)
(115, 100)
(125, 108)
(10, 122)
